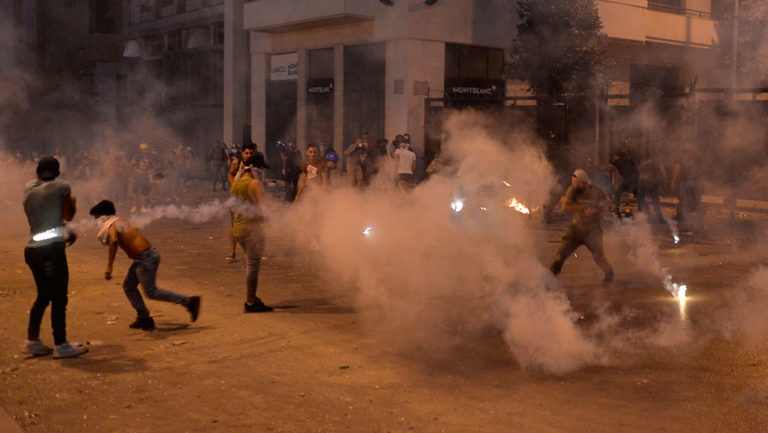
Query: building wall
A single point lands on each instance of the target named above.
(416, 35)
(180, 68)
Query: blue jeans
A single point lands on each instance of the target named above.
(144, 271)
(49, 268)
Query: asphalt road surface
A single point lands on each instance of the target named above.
(319, 364)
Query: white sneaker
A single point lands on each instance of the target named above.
(69, 350)
(37, 348)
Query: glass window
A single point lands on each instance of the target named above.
(321, 63)
(463, 61)
(674, 6)
(106, 16)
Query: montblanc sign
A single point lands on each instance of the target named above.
(320, 86)
(474, 89)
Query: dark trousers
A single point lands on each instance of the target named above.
(688, 200)
(49, 268)
(649, 190)
(291, 186)
(576, 237)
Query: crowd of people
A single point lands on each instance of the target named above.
(48, 203)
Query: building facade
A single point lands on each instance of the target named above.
(60, 49)
(328, 71)
(174, 63)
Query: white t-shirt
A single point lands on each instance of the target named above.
(404, 161)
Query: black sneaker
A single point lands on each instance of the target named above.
(256, 307)
(146, 323)
(194, 307)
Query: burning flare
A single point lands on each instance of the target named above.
(457, 205)
(518, 206)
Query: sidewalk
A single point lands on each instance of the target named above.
(7, 423)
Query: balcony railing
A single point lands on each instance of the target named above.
(673, 9)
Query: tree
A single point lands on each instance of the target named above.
(753, 22)
(559, 48)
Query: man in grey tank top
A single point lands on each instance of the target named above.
(48, 203)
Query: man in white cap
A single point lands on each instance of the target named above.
(587, 203)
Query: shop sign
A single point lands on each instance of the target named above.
(284, 67)
(320, 86)
(475, 89)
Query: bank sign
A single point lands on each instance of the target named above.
(284, 67)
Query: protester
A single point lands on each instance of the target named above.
(219, 159)
(405, 163)
(356, 154)
(685, 187)
(651, 178)
(141, 167)
(291, 171)
(630, 177)
(314, 175)
(248, 228)
(116, 232)
(236, 167)
(48, 203)
(587, 203)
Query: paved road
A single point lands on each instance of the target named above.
(340, 355)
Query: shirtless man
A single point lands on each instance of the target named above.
(115, 232)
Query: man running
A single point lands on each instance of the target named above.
(115, 232)
(587, 203)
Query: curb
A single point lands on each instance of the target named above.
(8, 424)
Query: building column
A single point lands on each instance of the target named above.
(415, 71)
(235, 72)
(260, 46)
(338, 100)
(301, 98)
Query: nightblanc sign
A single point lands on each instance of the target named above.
(284, 67)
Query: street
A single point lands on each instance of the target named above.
(336, 355)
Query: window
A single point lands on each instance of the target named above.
(167, 8)
(321, 63)
(464, 61)
(674, 6)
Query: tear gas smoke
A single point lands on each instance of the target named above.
(433, 279)
(744, 316)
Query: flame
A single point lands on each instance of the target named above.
(518, 206)
(676, 238)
